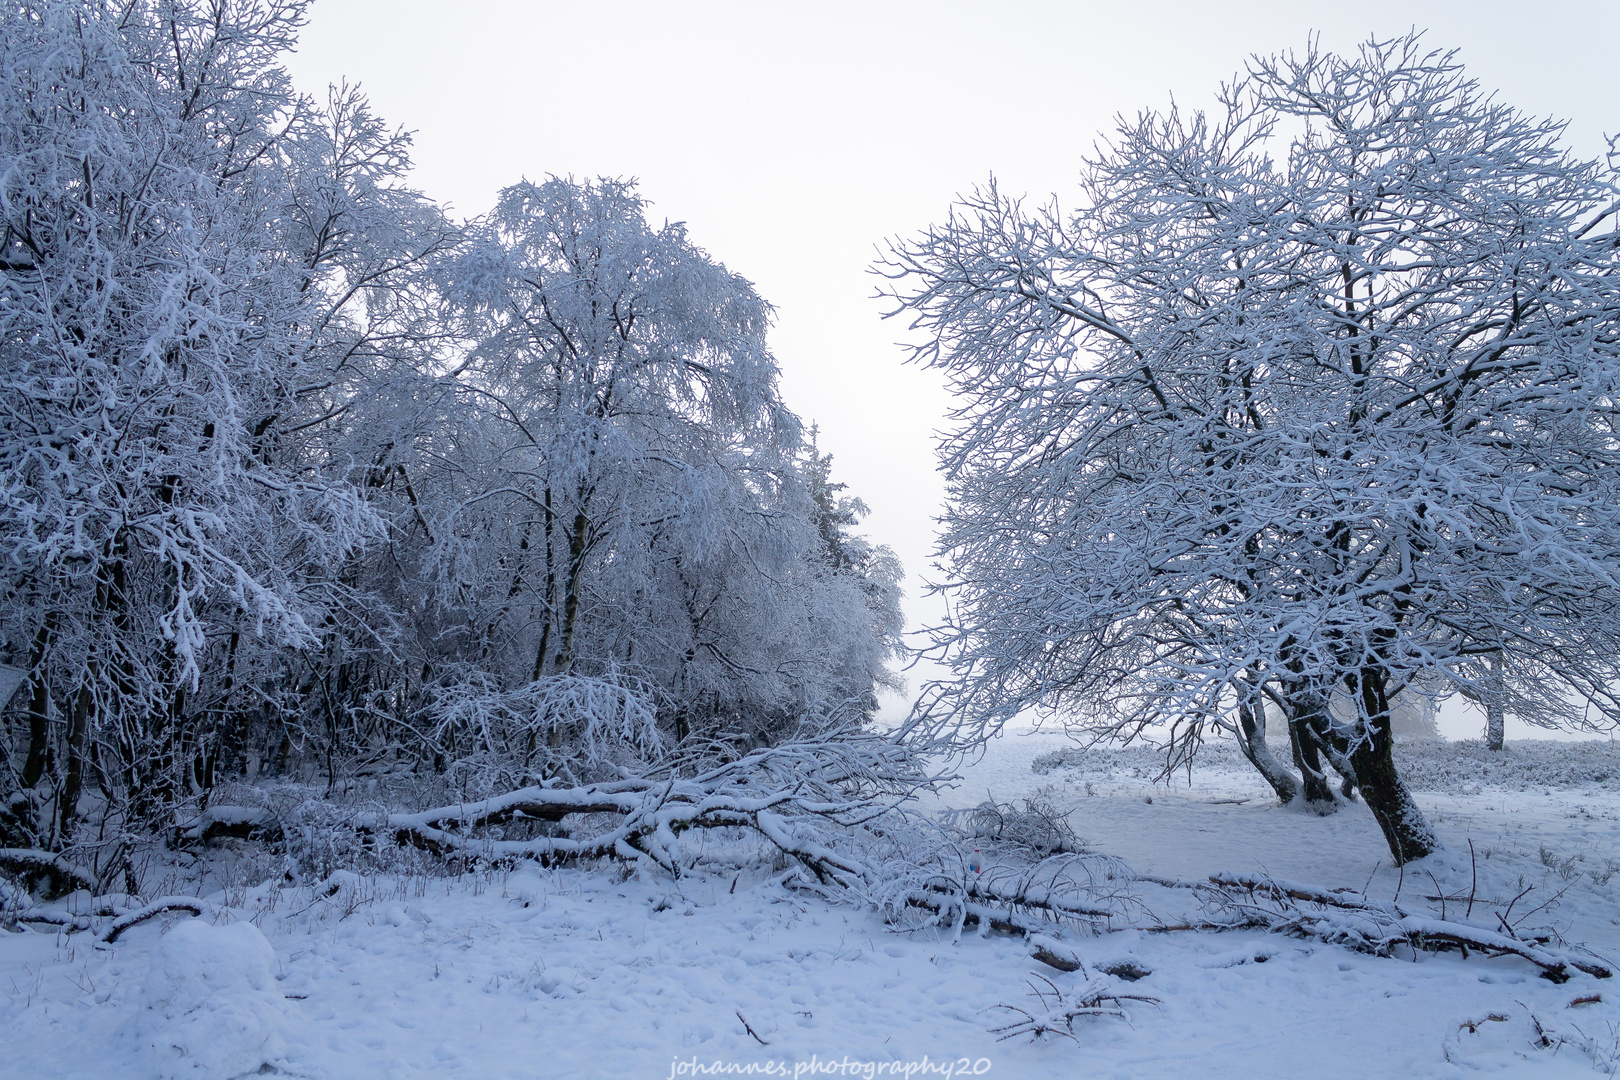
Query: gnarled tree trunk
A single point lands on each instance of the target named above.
(1405, 828)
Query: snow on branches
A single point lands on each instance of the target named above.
(296, 474)
(1311, 396)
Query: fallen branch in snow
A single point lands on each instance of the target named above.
(1551, 1031)
(1032, 900)
(68, 922)
(153, 910)
(799, 796)
(1344, 917)
(1055, 1014)
(1554, 1032)
(950, 907)
(749, 1028)
(651, 821)
(823, 804)
(241, 822)
(1055, 954)
(124, 918)
(997, 898)
(1055, 885)
(1452, 1045)
(1169, 883)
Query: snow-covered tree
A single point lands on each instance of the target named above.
(625, 501)
(1313, 394)
(192, 284)
(296, 474)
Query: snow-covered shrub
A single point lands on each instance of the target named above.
(571, 725)
(1461, 767)
(1138, 761)
(1036, 824)
(1456, 768)
(14, 900)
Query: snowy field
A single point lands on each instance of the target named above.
(570, 973)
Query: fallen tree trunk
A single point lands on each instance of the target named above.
(830, 807)
(239, 822)
(795, 796)
(33, 866)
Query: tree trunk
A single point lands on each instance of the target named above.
(39, 705)
(73, 782)
(1253, 744)
(1405, 828)
(1304, 710)
(577, 542)
(1495, 718)
(1317, 727)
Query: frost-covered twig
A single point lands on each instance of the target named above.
(1036, 824)
(1056, 1014)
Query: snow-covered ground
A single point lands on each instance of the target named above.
(541, 973)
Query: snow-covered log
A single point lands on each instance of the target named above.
(1056, 886)
(241, 822)
(1055, 954)
(32, 865)
(830, 806)
(537, 803)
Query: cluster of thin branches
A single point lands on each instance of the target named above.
(1055, 1012)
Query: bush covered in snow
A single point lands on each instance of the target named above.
(1461, 767)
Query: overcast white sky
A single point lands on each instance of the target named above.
(794, 138)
